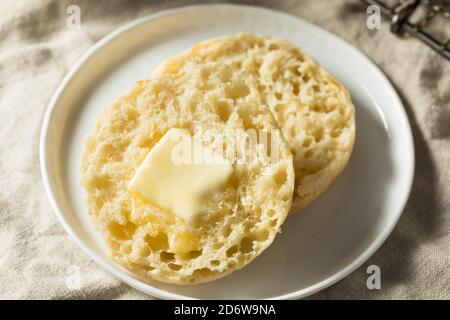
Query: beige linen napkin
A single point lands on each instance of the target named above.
(39, 260)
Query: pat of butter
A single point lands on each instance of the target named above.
(173, 177)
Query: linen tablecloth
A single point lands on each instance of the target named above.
(38, 259)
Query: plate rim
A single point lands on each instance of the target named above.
(160, 293)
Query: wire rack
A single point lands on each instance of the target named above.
(427, 20)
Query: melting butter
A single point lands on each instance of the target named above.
(173, 178)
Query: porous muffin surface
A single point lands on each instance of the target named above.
(238, 223)
(313, 110)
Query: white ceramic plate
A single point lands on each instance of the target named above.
(320, 245)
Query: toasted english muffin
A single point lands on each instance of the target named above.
(239, 222)
(313, 110)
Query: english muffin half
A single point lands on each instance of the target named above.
(313, 110)
(236, 222)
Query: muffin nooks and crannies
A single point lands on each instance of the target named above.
(312, 109)
(237, 223)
